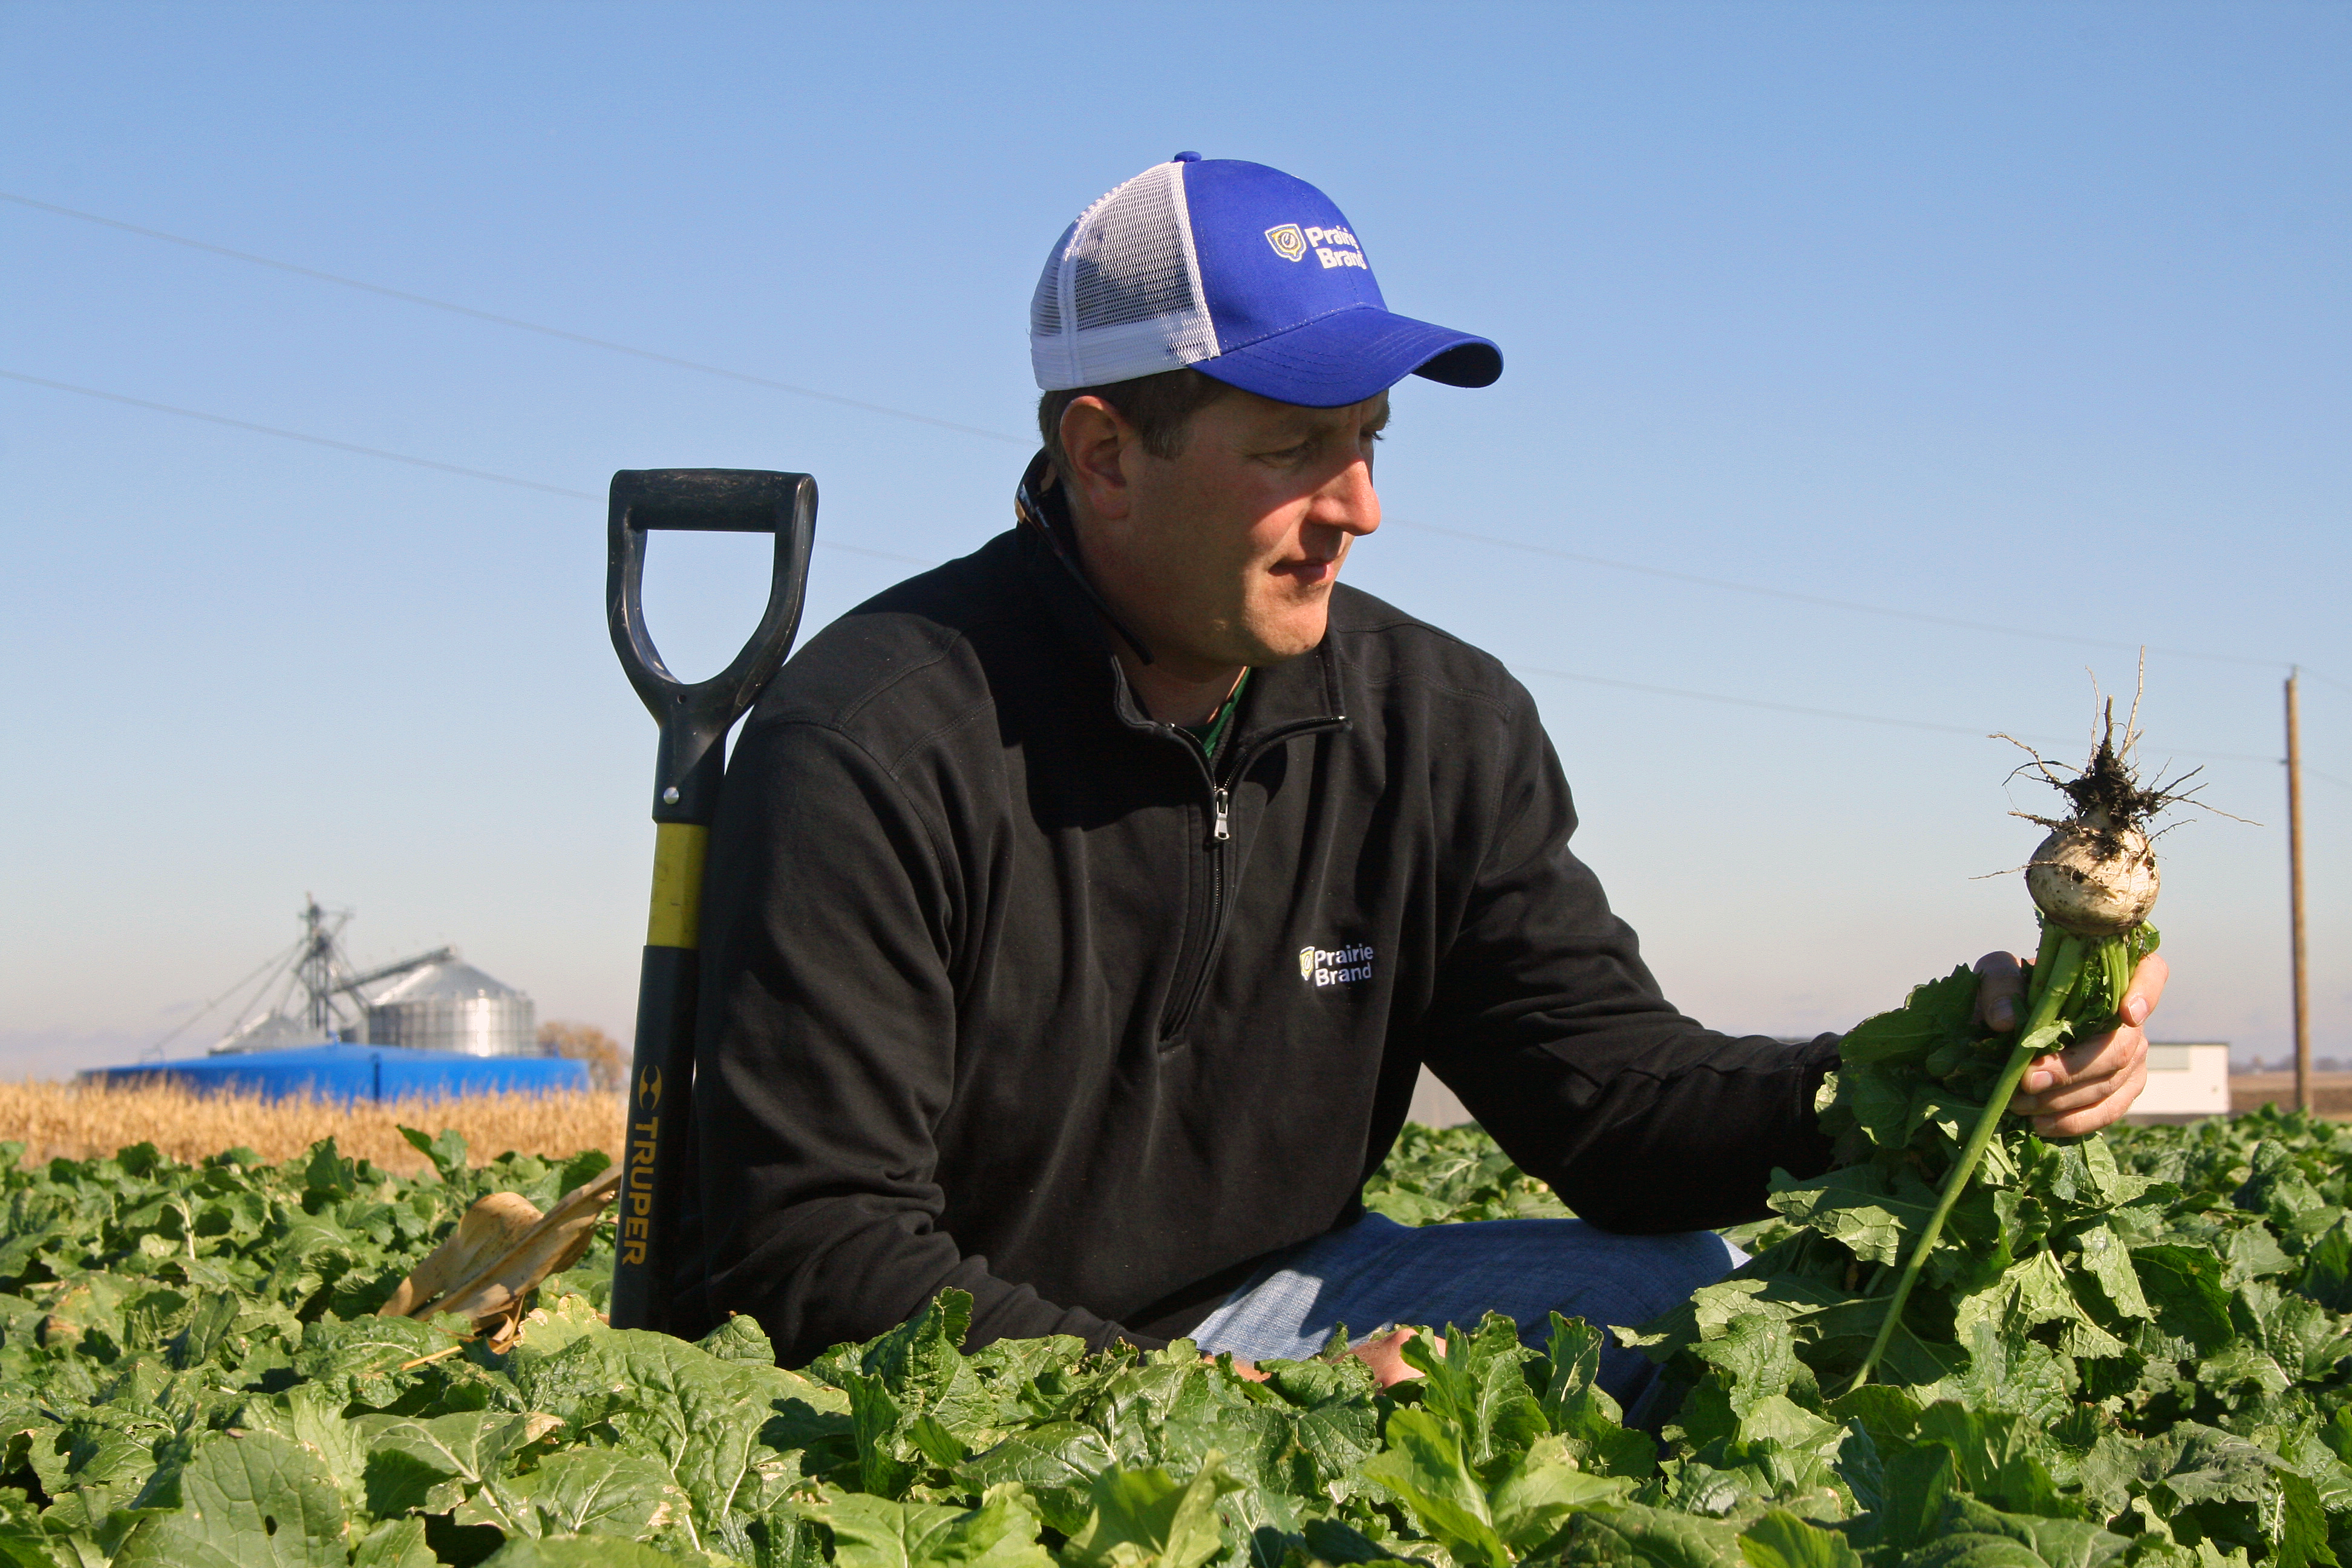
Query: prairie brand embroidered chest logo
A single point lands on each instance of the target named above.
(1335, 966)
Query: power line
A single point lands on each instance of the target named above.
(1822, 601)
(878, 554)
(1879, 718)
(379, 452)
(330, 442)
(296, 435)
(277, 963)
(1019, 440)
(454, 309)
(655, 356)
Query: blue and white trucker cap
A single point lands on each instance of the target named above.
(1242, 272)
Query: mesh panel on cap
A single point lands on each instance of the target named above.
(1045, 304)
(1126, 276)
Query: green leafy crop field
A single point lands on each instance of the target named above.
(2125, 1351)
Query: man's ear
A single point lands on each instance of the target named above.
(1097, 439)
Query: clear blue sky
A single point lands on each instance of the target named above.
(2024, 314)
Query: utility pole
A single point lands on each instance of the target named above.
(2302, 1092)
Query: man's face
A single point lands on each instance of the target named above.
(1226, 554)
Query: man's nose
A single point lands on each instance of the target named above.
(1348, 502)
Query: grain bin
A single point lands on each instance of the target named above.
(454, 1007)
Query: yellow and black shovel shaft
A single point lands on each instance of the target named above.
(661, 1083)
(675, 918)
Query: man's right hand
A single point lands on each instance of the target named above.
(1385, 1356)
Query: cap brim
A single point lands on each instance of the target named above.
(1349, 355)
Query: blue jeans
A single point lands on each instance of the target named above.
(1377, 1273)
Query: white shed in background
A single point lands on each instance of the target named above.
(1435, 1105)
(2185, 1079)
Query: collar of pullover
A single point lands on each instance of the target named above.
(1297, 695)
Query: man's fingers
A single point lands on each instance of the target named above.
(2147, 989)
(2099, 1056)
(2001, 986)
(2109, 1108)
(2091, 1084)
(1248, 1369)
(2095, 1059)
(2084, 1089)
(1380, 1354)
(1384, 1356)
(2000, 996)
(2076, 1094)
(2103, 1076)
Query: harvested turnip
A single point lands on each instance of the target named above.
(2095, 881)
(2093, 878)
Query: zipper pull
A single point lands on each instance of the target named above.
(1224, 820)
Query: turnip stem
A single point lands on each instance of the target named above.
(2043, 964)
(2057, 971)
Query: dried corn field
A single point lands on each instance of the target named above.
(78, 1120)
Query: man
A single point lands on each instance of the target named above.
(1082, 913)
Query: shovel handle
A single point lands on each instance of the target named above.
(688, 771)
(695, 718)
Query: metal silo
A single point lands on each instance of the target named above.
(454, 1007)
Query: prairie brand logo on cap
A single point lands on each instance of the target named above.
(1333, 246)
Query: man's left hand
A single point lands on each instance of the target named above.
(1385, 1355)
(2089, 1085)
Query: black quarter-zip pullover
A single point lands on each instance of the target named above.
(1010, 988)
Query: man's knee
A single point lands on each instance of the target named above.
(1650, 1276)
(1696, 1260)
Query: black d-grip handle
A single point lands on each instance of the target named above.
(694, 720)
